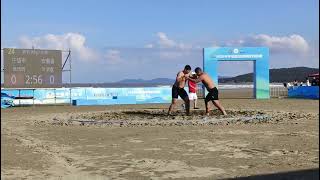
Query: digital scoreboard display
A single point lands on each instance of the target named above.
(32, 68)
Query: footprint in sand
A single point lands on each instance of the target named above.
(161, 139)
(192, 154)
(281, 152)
(244, 167)
(169, 169)
(152, 149)
(238, 155)
(212, 146)
(135, 141)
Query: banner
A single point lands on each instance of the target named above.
(306, 92)
(142, 95)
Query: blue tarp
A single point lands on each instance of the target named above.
(306, 92)
(6, 100)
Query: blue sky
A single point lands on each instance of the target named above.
(152, 38)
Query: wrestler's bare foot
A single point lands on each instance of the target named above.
(224, 113)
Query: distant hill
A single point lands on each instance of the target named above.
(276, 75)
(130, 83)
(160, 81)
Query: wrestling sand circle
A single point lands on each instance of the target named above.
(142, 142)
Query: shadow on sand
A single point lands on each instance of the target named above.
(308, 174)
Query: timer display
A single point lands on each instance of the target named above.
(32, 68)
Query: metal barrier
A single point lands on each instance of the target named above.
(277, 92)
(200, 91)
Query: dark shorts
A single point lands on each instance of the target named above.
(176, 91)
(212, 95)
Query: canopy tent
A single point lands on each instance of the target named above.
(314, 75)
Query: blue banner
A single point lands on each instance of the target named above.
(117, 95)
(307, 92)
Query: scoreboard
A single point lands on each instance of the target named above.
(32, 68)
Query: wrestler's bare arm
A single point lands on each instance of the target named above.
(180, 77)
(199, 79)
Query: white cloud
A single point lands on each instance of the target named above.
(113, 56)
(164, 42)
(278, 44)
(170, 55)
(198, 47)
(215, 45)
(149, 46)
(169, 48)
(73, 41)
(183, 46)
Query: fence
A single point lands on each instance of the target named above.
(278, 92)
(275, 92)
(200, 91)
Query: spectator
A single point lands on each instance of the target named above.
(307, 82)
(295, 83)
(314, 82)
(285, 84)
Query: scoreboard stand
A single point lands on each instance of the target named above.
(34, 68)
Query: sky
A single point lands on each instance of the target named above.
(111, 40)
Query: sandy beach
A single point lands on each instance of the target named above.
(140, 142)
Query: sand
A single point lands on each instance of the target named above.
(141, 142)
